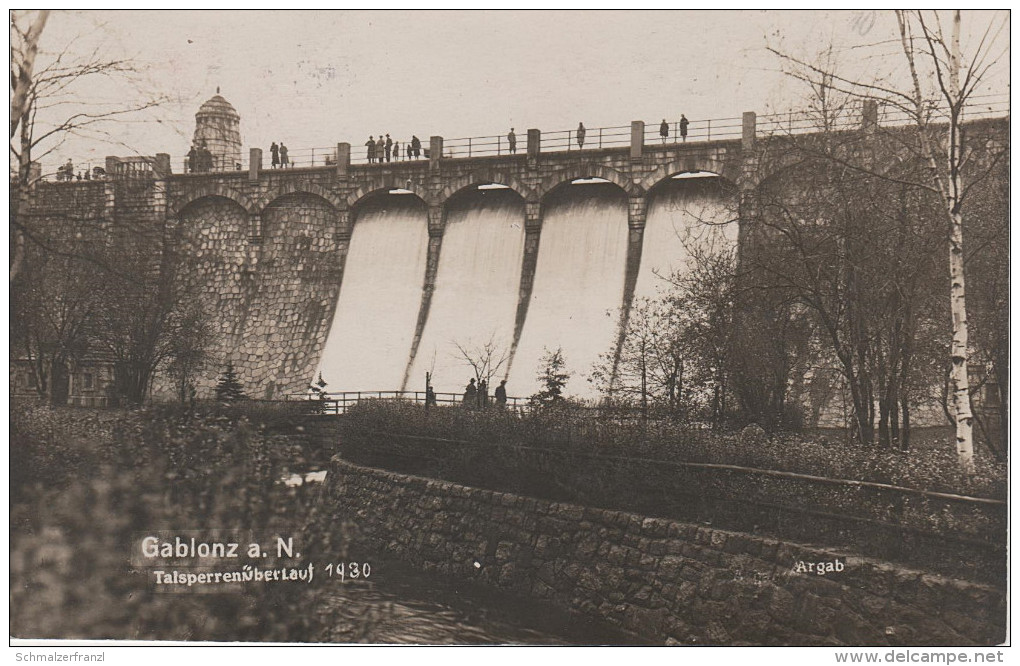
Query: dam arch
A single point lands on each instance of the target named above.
(580, 274)
(211, 235)
(299, 246)
(288, 188)
(569, 177)
(470, 298)
(214, 189)
(374, 319)
(728, 170)
(688, 213)
(384, 185)
(473, 179)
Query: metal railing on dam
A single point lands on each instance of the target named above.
(594, 138)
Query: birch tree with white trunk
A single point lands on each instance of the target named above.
(941, 85)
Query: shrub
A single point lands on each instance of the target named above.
(124, 474)
(582, 429)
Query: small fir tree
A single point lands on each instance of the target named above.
(553, 377)
(229, 389)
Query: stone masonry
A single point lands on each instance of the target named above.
(270, 245)
(672, 582)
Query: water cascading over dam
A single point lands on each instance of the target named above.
(574, 304)
(691, 213)
(578, 283)
(477, 286)
(374, 321)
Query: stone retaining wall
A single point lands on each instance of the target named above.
(672, 582)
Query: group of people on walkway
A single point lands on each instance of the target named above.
(66, 172)
(477, 396)
(681, 126)
(386, 149)
(581, 132)
(280, 158)
(199, 159)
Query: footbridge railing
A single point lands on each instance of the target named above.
(340, 402)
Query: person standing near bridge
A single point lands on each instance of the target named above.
(370, 149)
(274, 150)
(389, 147)
(501, 395)
(664, 130)
(683, 127)
(407, 146)
(511, 139)
(284, 159)
(396, 151)
(580, 135)
(416, 146)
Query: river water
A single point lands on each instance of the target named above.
(398, 604)
(403, 606)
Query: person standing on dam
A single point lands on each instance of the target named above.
(370, 149)
(683, 127)
(396, 151)
(511, 139)
(580, 135)
(416, 146)
(501, 395)
(284, 160)
(470, 395)
(274, 150)
(389, 147)
(664, 130)
(409, 151)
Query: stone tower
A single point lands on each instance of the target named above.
(219, 125)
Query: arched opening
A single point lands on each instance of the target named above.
(690, 215)
(579, 277)
(296, 280)
(374, 320)
(477, 286)
(212, 244)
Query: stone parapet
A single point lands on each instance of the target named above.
(672, 582)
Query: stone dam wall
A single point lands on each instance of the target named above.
(271, 301)
(671, 582)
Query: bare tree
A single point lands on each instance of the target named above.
(941, 86)
(485, 359)
(51, 101)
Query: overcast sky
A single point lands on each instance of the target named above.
(313, 78)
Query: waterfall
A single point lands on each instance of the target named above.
(578, 285)
(477, 284)
(575, 301)
(369, 339)
(683, 214)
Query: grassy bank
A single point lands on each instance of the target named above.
(929, 467)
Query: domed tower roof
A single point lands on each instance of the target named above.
(217, 106)
(218, 129)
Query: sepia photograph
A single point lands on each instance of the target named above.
(510, 328)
